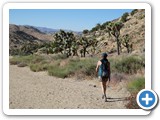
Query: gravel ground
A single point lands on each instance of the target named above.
(38, 90)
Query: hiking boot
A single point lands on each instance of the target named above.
(106, 99)
(104, 96)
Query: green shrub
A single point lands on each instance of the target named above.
(38, 67)
(52, 65)
(85, 31)
(35, 62)
(134, 11)
(59, 56)
(26, 59)
(129, 64)
(124, 17)
(136, 85)
(85, 66)
(13, 61)
(21, 59)
(103, 38)
(37, 59)
(58, 71)
(88, 66)
(141, 17)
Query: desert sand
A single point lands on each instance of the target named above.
(38, 90)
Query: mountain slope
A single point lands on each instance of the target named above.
(134, 27)
(20, 35)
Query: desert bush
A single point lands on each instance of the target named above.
(141, 17)
(61, 72)
(85, 31)
(88, 66)
(103, 38)
(134, 11)
(128, 64)
(59, 57)
(13, 61)
(37, 59)
(113, 50)
(134, 87)
(38, 67)
(132, 104)
(21, 59)
(35, 62)
(85, 66)
(124, 17)
(22, 64)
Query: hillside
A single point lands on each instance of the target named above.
(20, 35)
(134, 27)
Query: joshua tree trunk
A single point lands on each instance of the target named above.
(84, 52)
(128, 49)
(118, 46)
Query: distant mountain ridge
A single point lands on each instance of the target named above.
(51, 30)
(45, 29)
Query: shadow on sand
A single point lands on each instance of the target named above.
(116, 99)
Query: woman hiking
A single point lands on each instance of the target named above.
(103, 70)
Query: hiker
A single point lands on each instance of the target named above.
(103, 70)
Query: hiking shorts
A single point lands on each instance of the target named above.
(102, 79)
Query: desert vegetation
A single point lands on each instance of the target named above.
(62, 66)
(69, 55)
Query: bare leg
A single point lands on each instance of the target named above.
(107, 83)
(103, 86)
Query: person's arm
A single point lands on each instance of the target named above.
(97, 67)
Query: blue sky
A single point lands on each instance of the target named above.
(71, 19)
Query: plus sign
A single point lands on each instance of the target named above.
(147, 99)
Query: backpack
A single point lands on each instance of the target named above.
(105, 72)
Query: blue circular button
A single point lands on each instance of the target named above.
(147, 99)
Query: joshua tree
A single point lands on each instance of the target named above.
(29, 48)
(74, 48)
(126, 42)
(114, 30)
(85, 31)
(134, 11)
(124, 17)
(65, 43)
(98, 26)
(85, 42)
(94, 43)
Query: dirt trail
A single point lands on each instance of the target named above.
(34, 90)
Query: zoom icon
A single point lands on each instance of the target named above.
(147, 99)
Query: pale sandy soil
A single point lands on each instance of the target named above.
(37, 90)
